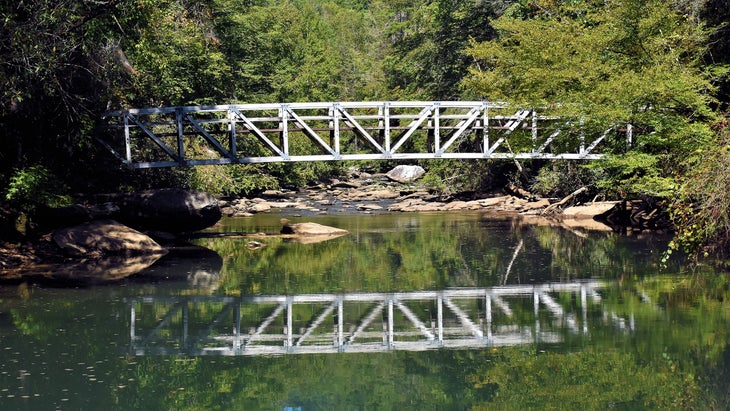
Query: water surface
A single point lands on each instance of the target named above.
(405, 312)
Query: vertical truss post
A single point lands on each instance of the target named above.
(440, 317)
(488, 314)
(232, 132)
(436, 127)
(284, 127)
(127, 140)
(584, 308)
(391, 330)
(340, 323)
(237, 327)
(582, 149)
(180, 141)
(132, 322)
(381, 121)
(289, 323)
(386, 121)
(334, 126)
(534, 130)
(536, 303)
(485, 130)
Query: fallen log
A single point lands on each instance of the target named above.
(552, 207)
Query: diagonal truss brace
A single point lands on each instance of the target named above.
(154, 138)
(415, 124)
(462, 126)
(595, 142)
(322, 316)
(520, 116)
(311, 133)
(259, 134)
(210, 139)
(361, 130)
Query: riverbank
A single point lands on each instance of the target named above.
(362, 193)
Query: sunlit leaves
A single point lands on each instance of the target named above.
(608, 63)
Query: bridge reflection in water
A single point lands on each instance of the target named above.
(366, 322)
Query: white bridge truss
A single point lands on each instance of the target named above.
(291, 132)
(364, 322)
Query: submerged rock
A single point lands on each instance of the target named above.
(312, 229)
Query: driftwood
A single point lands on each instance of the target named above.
(566, 199)
(520, 192)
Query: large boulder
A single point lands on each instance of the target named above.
(406, 174)
(105, 238)
(172, 210)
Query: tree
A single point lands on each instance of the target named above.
(608, 63)
(426, 58)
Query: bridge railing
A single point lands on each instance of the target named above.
(326, 131)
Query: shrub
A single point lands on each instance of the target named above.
(33, 187)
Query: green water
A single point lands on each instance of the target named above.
(645, 339)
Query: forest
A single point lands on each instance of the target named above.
(659, 65)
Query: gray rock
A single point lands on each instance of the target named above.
(171, 210)
(103, 238)
(406, 174)
(589, 211)
(260, 207)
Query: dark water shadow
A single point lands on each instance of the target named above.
(196, 265)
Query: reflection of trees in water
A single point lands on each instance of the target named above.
(410, 252)
(198, 266)
(677, 357)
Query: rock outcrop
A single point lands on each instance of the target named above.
(169, 210)
(100, 238)
(406, 174)
(172, 210)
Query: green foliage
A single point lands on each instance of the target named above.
(608, 64)
(631, 175)
(700, 209)
(583, 380)
(425, 58)
(454, 176)
(561, 178)
(176, 56)
(313, 51)
(34, 187)
(233, 180)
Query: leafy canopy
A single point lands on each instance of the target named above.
(609, 63)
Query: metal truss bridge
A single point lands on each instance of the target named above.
(292, 132)
(367, 322)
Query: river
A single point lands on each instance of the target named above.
(407, 311)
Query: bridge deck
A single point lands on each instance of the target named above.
(288, 132)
